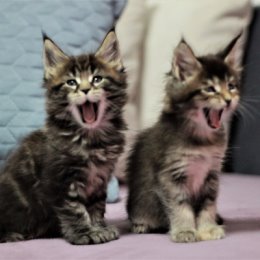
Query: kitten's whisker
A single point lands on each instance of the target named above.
(250, 100)
(252, 87)
(249, 63)
(241, 113)
(244, 111)
(252, 96)
(251, 108)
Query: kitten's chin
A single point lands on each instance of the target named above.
(89, 114)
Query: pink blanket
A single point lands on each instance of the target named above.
(239, 204)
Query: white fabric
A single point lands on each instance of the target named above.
(130, 31)
(256, 2)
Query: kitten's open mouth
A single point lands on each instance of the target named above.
(213, 117)
(89, 112)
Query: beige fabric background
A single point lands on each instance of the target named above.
(149, 30)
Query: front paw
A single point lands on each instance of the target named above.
(104, 234)
(210, 232)
(140, 228)
(183, 235)
(96, 235)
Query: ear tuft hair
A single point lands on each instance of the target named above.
(53, 56)
(184, 63)
(109, 50)
(232, 54)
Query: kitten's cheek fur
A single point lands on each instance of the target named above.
(234, 104)
(228, 113)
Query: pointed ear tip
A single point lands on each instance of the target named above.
(239, 38)
(181, 45)
(113, 29)
(183, 40)
(45, 36)
(112, 32)
(239, 35)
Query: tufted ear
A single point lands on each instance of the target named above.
(53, 57)
(109, 50)
(184, 63)
(233, 53)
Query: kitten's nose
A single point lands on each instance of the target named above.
(228, 102)
(85, 90)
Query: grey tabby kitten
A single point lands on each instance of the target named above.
(55, 183)
(173, 167)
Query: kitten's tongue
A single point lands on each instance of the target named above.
(215, 118)
(89, 113)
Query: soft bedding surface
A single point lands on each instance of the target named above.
(239, 204)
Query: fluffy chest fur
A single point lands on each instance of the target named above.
(92, 183)
(99, 169)
(198, 164)
(97, 179)
(94, 165)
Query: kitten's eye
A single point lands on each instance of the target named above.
(231, 86)
(96, 80)
(211, 89)
(72, 83)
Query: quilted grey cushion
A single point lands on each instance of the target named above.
(77, 26)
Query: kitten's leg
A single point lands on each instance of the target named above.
(96, 212)
(77, 227)
(84, 225)
(180, 212)
(207, 227)
(146, 214)
(182, 222)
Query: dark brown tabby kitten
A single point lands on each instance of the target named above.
(174, 165)
(55, 183)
